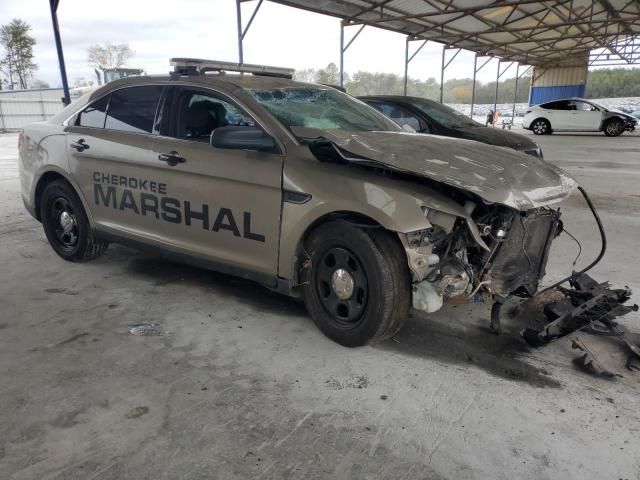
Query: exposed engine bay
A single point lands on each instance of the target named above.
(496, 252)
(515, 261)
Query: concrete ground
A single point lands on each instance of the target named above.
(242, 385)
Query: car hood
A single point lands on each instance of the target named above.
(496, 174)
(496, 136)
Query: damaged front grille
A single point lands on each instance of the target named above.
(521, 257)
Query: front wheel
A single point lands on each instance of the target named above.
(356, 284)
(66, 225)
(614, 127)
(541, 126)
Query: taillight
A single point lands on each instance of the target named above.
(20, 140)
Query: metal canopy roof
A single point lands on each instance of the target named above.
(533, 32)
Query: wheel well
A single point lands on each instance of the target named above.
(45, 180)
(540, 118)
(351, 217)
(355, 218)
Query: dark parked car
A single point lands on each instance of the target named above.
(427, 116)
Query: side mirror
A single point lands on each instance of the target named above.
(243, 138)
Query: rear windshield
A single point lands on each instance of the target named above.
(321, 108)
(447, 116)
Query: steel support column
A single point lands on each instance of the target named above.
(53, 4)
(473, 83)
(407, 60)
(498, 76)
(242, 32)
(341, 54)
(495, 99)
(343, 47)
(515, 96)
(444, 49)
(515, 93)
(444, 67)
(475, 71)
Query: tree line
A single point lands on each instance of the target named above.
(17, 69)
(606, 83)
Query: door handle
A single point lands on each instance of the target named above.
(80, 145)
(172, 158)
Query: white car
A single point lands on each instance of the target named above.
(576, 115)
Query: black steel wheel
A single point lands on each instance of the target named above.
(540, 126)
(356, 283)
(66, 225)
(341, 286)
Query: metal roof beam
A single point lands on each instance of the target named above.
(448, 11)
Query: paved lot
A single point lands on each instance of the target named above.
(242, 385)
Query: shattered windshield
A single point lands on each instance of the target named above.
(321, 108)
(446, 116)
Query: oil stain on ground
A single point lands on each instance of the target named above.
(451, 342)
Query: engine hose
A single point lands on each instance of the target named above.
(603, 249)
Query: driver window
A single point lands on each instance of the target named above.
(200, 113)
(584, 107)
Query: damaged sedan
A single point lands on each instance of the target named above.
(299, 187)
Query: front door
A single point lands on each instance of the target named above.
(223, 204)
(587, 116)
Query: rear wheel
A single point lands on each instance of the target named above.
(357, 286)
(614, 127)
(66, 225)
(541, 126)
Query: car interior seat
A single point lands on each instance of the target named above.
(202, 118)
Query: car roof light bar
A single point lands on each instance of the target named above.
(198, 66)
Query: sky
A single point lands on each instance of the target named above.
(160, 29)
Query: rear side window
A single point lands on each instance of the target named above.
(558, 105)
(398, 114)
(133, 109)
(93, 116)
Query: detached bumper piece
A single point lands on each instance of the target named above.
(590, 307)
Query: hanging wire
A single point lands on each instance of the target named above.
(577, 242)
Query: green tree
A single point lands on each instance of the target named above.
(613, 82)
(307, 75)
(329, 75)
(40, 84)
(16, 63)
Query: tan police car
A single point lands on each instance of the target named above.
(297, 186)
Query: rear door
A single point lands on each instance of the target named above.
(223, 204)
(109, 145)
(559, 115)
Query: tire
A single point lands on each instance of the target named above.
(381, 290)
(66, 225)
(540, 126)
(614, 127)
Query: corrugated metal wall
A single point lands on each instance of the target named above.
(21, 107)
(547, 94)
(557, 83)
